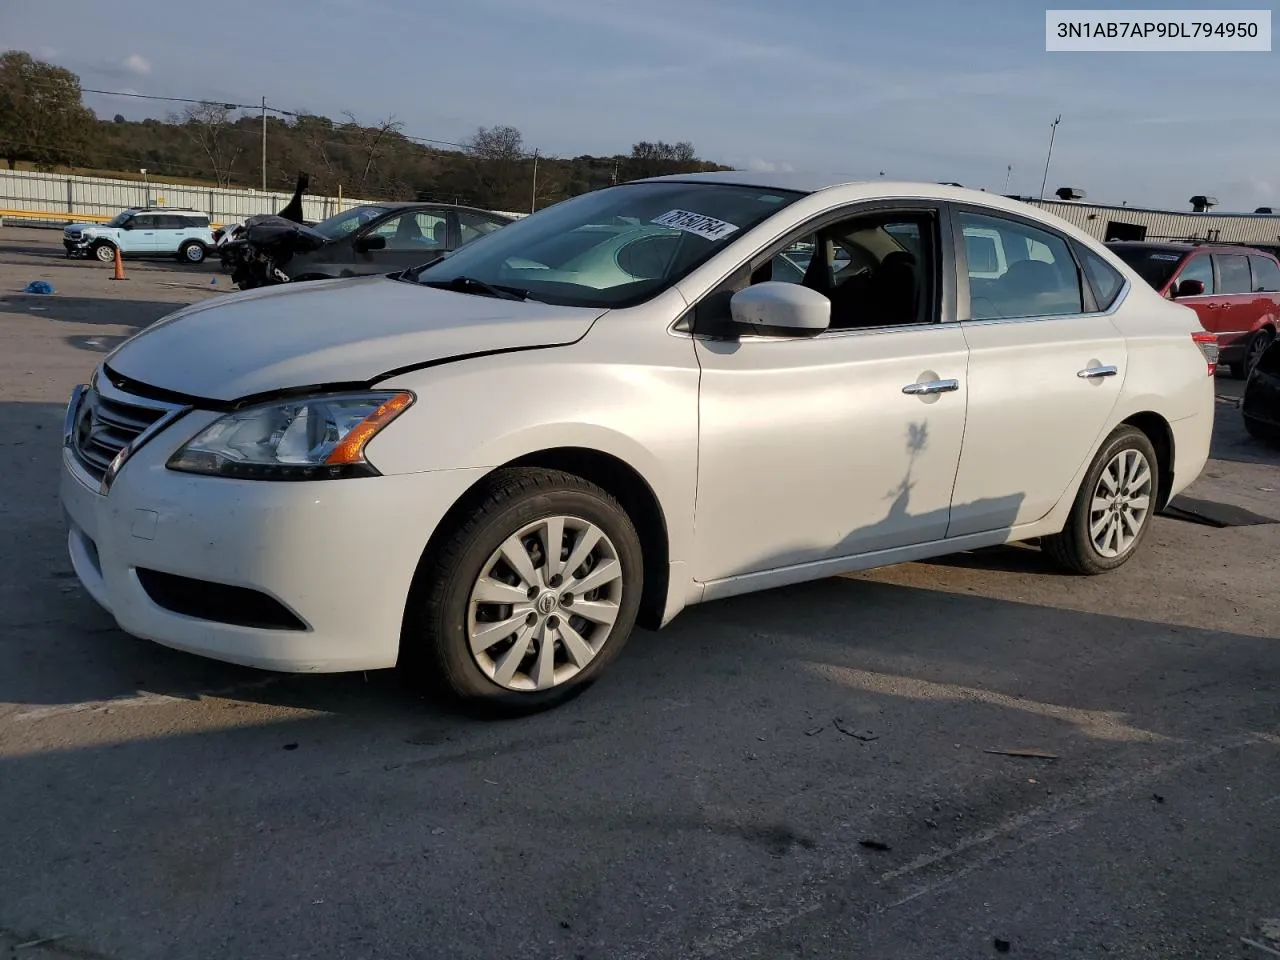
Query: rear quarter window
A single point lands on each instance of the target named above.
(1106, 280)
(1266, 275)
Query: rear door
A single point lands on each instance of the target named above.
(1045, 368)
(171, 230)
(1241, 307)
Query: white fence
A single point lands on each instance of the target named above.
(55, 198)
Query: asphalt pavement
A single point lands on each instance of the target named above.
(970, 757)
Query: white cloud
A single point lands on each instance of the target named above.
(136, 63)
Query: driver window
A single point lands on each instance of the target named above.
(877, 270)
(413, 230)
(1198, 268)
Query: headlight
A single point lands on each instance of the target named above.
(308, 438)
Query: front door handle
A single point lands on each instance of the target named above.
(931, 386)
(1089, 373)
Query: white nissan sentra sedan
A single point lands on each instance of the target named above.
(492, 467)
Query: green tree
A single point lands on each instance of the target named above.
(41, 116)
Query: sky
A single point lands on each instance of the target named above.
(939, 90)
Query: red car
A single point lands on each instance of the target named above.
(1235, 290)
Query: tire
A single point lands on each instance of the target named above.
(1075, 549)
(1253, 351)
(447, 606)
(193, 251)
(1263, 432)
(104, 251)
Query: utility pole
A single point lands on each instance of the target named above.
(264, 144)
(533, 203)
(1053, 129)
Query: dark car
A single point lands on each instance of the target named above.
(1261, 403)
(1235, 291)
(386, 237)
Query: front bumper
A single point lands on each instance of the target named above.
(80, 245)
(339, 555)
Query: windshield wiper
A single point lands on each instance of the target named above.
(411, 275)
(472, 285)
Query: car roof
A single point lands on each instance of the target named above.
(863, 187)
(408, 204)
(1186, 246)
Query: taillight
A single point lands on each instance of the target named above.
(1208, 344)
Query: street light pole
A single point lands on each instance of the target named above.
(1007, 174)
(1053, 129)
(533, 204)
(264, 144)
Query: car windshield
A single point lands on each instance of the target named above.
(1154, 264)
(119, 219)
(612, 248)
(341, 224)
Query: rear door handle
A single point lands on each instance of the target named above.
(1090, 373)
(931, 386)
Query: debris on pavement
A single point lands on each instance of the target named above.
(1027, 754)
(1157, 798)
(41, 287)
(814, 731)
(874, 845)
(290, 746)
(1001, 945)
(866, 736)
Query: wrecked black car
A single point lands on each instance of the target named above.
(368, 239)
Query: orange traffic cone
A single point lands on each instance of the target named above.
(119, 275)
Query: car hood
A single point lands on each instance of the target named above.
(329, 332)
(81, 227)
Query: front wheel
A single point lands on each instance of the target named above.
(1253, 352)
(104, 252)
(1113, 510)
(529, 597)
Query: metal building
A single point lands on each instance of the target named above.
(1137, 223)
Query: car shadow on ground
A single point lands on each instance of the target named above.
(133, 315)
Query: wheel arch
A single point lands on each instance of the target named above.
(1160, 433)
(618, 478)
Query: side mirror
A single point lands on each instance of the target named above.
(365, 244)
(1190, 288)
(781, 308)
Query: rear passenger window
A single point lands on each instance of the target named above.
(1104, 278)
(1233, 273)
(1266, 275)
(1017, 270)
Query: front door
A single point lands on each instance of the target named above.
(412, 238)
(845, 443)
(1045, 370)
(142, 236)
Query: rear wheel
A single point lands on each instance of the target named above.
(1113, 510)
(192, 251)
(529, 598)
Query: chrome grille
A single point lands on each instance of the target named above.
(105, 425)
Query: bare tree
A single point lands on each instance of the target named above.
(208, 126)
(501, 169)
(372, 142)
